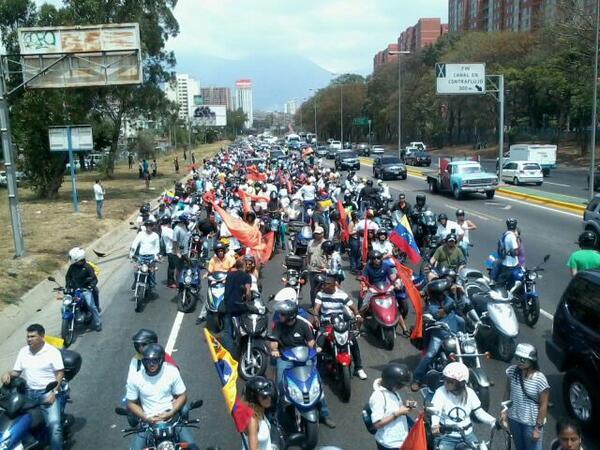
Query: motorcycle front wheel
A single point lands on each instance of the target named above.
(531, 311)
(311, 432)
(345, 379)
(387, 338)
(483, 393)
(254, 366)
(186, 301)
(213, 322)
(67, 331)
(140, 294)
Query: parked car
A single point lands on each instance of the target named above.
(418, 158)
(574, 347)
(418, 145)
(591, 218)
(336, 145)
(332, 151)
(321, 151)
(389, 167)
(363, 149)
(521, 172)
(377, 150)
(3, 180)
(347, 160)
(77, 165)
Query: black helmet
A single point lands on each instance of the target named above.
(369, 182)
(145, 208)
(144, 336)
(438, 287)
(401, 196)
(153, 352)
(375, 254)
(328, 247)
(421, 199)
(441, 217)
(334, 215)
(258, 387)
(460, 212)
(511, 224)
(587, 239)
(382, 232)
(394, 376)
(288, 308)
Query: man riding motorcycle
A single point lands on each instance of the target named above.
(402, 205)
(81, 275)
(447, 255)
(375, 271)
(382, 244)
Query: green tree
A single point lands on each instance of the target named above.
(235, 122)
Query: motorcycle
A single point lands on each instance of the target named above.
(462, 347)
(298, 242)
(383, 312)
(188, 286)
(251, 331)
(494, 307)
(74, 312)
(21, 419)
(302, 393)
(198, 249)
(524, 292)
(215, 295)
(145, 267)
(162, 435)
(337, 356)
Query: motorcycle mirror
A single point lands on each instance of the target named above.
(51, 279)
(196, 404)
(51, 386)
(121, 411)
(546, 258)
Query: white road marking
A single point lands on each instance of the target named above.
(174, 332)
(557, 184)
(547, 315)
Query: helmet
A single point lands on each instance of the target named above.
(145, 208)
(421, 199)
(441, 217)
(289, 309)
(451, 237)
(382, 232)
(511, 224)
(224, 241)
(273, 195)
(379, 182)
(220, 246)
(587, 239)
(375, 254)
(457, 371)
(369, 182)
(395, 375)
(76, 254)
(250, 257)
(526, 351)
(258, 387)
(401, 196)
(438, 287)
(153, 352)
(144, 337)
(460, 212)
(328, 247)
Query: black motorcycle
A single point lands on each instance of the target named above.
(251, 331)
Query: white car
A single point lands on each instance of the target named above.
(521, 172)
(377, 150)
(335, 145)
(419, 145)
(3, 181)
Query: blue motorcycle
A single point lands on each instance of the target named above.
(188, 286)
(302, 394)
(21, 419)
(522, 286)
(74, 311)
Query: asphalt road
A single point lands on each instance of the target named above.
(100, 385)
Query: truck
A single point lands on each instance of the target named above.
(460, 177)
(544, 155)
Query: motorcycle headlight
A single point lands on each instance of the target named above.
(294, 392)
(341, 338)
(67, 300)
(144, 268)
(385, 302)
(532, 276)
(166, 445)
(187, 280)
(315, 390)
(469, 346)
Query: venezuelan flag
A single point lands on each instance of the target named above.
(403, 238)
(227, 369)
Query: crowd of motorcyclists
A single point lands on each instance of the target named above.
(318, 218)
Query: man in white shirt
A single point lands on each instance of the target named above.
(446, 227)
(156, 394)
(167, 237)
(99, 192)
(41, 364)
(146, 246)
(509, 251)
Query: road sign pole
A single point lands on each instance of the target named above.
(369, 133)
(72, 167)
(9, 167)
(501, 125)
(592, 174)
(399, 108)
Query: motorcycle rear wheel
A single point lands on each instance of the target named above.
(67, 334)
(346, 386)
(531, 311)
(140, 294)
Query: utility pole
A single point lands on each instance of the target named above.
(594, 106)
(342, 114)
(399, 53)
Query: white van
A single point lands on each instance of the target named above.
(544, 155)
(291, 138)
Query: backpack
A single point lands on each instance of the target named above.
(501, 248)
(366, 416)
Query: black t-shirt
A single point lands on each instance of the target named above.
(234, 291)
(295, 335)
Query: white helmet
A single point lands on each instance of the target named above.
(457, 371)
(76, 254)
(379, 182)
(526, 351)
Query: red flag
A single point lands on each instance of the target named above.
(255, 175)
(417, 438)
(343, 222)
(414, 295)
(247, 199)
(208, 197)
(365, 242)
(248, 235)
(264, 251)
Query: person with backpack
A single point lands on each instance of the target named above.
(508, 252)
(386, 414)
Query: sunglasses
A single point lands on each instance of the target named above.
(522, 360)
(152, 361)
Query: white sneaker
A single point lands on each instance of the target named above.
(361, 374)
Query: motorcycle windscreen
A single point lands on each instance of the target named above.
(503, 316)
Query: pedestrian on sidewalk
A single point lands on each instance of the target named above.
(99, 192)
(154, 167)
(193, 158)
(140, 170)
(176, 163)
(130, 160)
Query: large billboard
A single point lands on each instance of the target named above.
(210, 115)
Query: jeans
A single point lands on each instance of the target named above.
(99, 205)
(89, 301)
(185, 435)
(227, 337)
(52, 418)
(522, 436)
(435, 342)
(355, 254)
(173, 261)
(313, 286)
(450, 442)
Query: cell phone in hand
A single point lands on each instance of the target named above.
(411, 404)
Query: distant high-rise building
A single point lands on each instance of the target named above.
(290, 107)
(425, 32)
(243, 99)
(182, 92)
(217, 96)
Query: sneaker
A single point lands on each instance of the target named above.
(360, 373)
(328, 422)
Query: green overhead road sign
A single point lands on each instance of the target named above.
(360, 121)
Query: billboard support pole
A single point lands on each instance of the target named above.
(9, 166)
(498, 93)
(72, 167)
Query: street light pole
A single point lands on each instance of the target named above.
(594, 105)
(342, 114)
(399, 53)
(315, 106)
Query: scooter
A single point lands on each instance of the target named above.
(302, 393)
(215, 295)
(162, 435)
(383, 312)
(524, 292)
(251, 331)
(188, 286)
(21, 420)
(74, 312)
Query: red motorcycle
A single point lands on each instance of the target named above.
(383, 314)
(336, 331)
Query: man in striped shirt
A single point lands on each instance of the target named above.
(331, 301)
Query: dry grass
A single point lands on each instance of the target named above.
(51, 228)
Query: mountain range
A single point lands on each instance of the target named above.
(276, 79)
